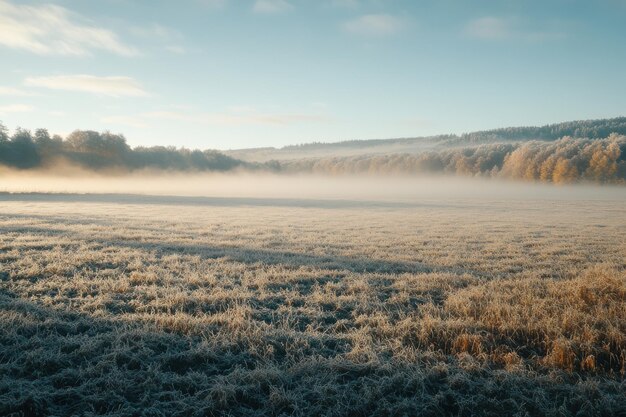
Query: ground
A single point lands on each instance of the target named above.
(175, 306)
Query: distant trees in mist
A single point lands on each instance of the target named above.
(101, 151)
(563, 161)
(592, 129)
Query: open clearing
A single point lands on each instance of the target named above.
(155, 305)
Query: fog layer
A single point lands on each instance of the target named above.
(400, 188)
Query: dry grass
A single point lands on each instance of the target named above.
(160, 307)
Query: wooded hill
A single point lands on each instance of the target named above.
(592, 150)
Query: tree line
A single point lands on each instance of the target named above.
(101, 151)
(566, 160)
(592, 129)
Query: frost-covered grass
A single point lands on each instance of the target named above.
(194, 306)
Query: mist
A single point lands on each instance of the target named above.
(304, 186)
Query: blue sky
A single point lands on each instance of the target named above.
(249, 73)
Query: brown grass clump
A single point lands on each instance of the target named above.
(574, 324)
(468, 343)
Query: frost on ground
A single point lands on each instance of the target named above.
(178, 306)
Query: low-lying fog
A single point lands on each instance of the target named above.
(304, 187)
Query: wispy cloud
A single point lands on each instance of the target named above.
(236, 118)
(16, 108)
(503, 28)
(241, 108)
(156, 31)
(130, 121)
(271, 6)
(375, 25)
(489, 28)
(53, 30)
(171, 38)
(12, 91)
(106, 86)
(176, 49)
(233, 117)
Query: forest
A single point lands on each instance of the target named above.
(583, 151)
(102, 151)
(566, 160)
(593, 129)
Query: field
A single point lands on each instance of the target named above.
(153, 305)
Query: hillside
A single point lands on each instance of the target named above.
(580, 151)
(593, 129)
(566, 160)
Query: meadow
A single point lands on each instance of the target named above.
(191, 305)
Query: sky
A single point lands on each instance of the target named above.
(229, 74)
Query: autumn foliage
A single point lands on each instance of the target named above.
(566, 160)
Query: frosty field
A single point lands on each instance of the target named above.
(127, 304)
